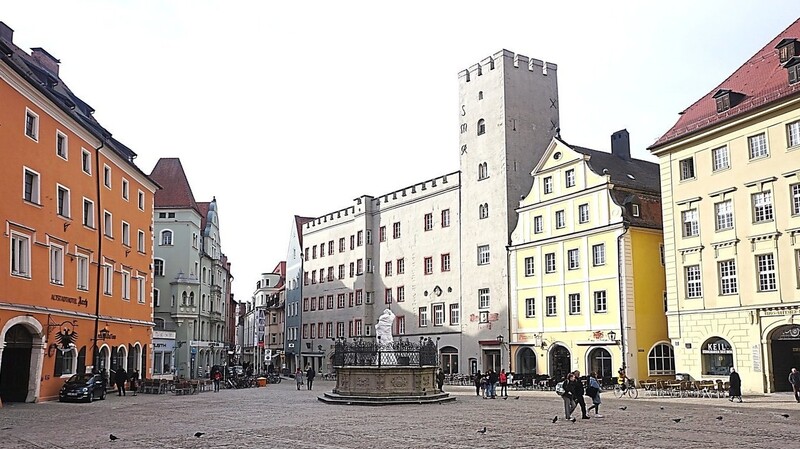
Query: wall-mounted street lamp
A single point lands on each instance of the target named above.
(612, 336)
(500, 339)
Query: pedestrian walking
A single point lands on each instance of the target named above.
(593, 391)
(217, 379)
(579, 392)
(492, 380)
(120, 377)
(794, 379)
(569, 395)
(478, 381)
(298, 377)
(310, 374)
(440, 380)
(134, 381)
(503, 383)
(735, 390)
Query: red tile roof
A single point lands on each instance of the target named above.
(202, 207)
(176, 191)
(299, 222)
(761, 79)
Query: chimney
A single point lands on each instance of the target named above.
(45, 59)
(6, 32)
(621, 144)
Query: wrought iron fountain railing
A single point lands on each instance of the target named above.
(360, 352)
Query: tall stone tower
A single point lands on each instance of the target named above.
(508, 108)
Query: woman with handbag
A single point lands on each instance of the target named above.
(593, 391)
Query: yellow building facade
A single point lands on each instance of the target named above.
(587, 282)
(731, 198)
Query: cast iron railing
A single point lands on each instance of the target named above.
(360, 352)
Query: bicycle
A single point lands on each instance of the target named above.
(273, 378)
(626, 388)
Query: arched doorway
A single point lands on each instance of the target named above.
(785, 355)
(449, 360)
(526, 361)
(560, 362)
(600, 362)
(15, 370)
(717, 357)
(102, 359)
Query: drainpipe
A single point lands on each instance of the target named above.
(622, 312)
(95, 351)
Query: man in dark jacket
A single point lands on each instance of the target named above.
(310, 374)
(570, 391)
(120, 377)
(440, 380)
(579, 392)
(794, 379)
(491, 384)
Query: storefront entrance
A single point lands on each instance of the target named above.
(785, 355)
(16, 364)
(560, 362)
(526, 361)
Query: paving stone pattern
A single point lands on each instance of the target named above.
(281, 416)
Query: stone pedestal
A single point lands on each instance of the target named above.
(372, 385)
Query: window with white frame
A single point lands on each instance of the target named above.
(548, 184)
(428, 265)
(727, 277)
(387, 295)
(125, 189)
(583, 213)
(62, 203)
(108, 279)
(340, 329)
(574, 259)
(762, 206)
(396, 230)
(574, 304)
(126, 234)
(661, 361)
(694, 285)
(82, 263)
(166, 237)
(599, 255)
(530, 307)
(552, 307)
(795, 194)
(126, 285)
(400, 322)
(446, 218)
(724, 213)
(140, 197)
(359, 242)
(140, 289)
(686, 168)
(720, 159)
(31, 124)
(538, 226)
(86, 161)
(446, 262)
(483, 211)
(481, 126)
(455, 314)
(107, 222)
(560, 219)
(401, 293)
(550, 263)
(140, 241)
(88, 213)
(368, 237)
(766, 273)
(56, 265)
(691, 224)
(370, 269)
(635, 209)
(529, 265)
(30, 186)
(61, 145)
(387, 270)
(758, 146)
(793, 134)
(107, 176)
(483, 171)
(569, 178)
(158, 267)
(483, 298)
(438, 314)
(600, 302)
(428, 221)
(423, 316)
(483, 254)
(157, 297)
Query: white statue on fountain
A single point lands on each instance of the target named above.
(383, 329)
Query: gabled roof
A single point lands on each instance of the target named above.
(761, 79)
(299, 222)
(176, 193)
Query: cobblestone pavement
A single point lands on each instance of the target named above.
(281, 416)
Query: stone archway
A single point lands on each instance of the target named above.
(526, 361)
(21, 358)
(560, 362)
(784, 354)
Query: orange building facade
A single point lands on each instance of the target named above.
(77, 242)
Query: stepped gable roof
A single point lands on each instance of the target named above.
(53, 87)
(631, 173)
(176, 191)
(761, 79)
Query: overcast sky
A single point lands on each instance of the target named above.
(284, 108)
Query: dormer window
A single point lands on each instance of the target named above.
(788, 48)
(793, 68)
(727, 99)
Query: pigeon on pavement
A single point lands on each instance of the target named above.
(624, 408)
(676, 419)
(112, 437)
(199, 434)
(482, 430)
(719, 418)
(785, 415)
(555, 418)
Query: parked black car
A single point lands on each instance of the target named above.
(83, 387)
